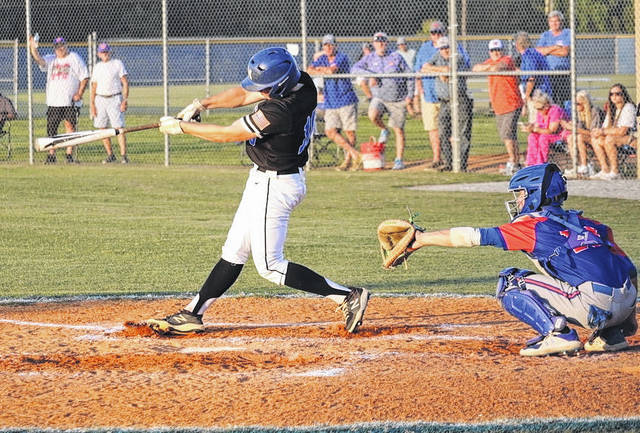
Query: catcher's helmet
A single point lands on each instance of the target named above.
(272, 68)
(543, 184)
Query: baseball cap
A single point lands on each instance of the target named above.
(401, 41)
(59, 41)
(367, 46)
(328, 39)
(104, 47)
(436, 27)
(495, 44)
(380, 37)
(443, 42)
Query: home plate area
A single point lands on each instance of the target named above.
(289, 362)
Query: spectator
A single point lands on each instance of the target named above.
(67, 79)
(555, 45)
(589, 118)
(340, 102)
(440, 63)
(362, 82)
(505, 100)
(545, 131)
(531, 60)
(109, 93)
(409, 56)
(619, 123)
(7, 111)
(426, 91)
(390, 95)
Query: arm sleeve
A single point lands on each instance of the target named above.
(514, 236)
(360, 67)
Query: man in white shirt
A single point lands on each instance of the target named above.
(67, 79)
(109, 93)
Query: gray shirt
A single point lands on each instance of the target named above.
(442, 87)
(388, 89)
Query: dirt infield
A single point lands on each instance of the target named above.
(288, 362)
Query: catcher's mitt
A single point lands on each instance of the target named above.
(395, 237)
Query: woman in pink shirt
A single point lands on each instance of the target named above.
(545, 131)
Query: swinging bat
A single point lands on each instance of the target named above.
(81, 137)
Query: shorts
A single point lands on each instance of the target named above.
(397, 111)
(108, 112)
(344, 118)
(57, 114)
(430, 112)
(508, 124)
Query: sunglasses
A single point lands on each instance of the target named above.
(436, 32)
(615, 93)
(495, 49)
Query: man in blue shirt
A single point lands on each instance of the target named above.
(390, 95)
(340, 102)
(583, 277)
(531, 60)
(426, 90)
(555, 45)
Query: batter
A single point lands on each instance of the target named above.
(277, 135)
(584, 278)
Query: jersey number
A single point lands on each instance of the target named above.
(308, 131)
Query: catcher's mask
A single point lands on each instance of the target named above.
(543, 184)
(274, 69)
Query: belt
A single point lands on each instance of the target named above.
(295, 170)
(110, 96)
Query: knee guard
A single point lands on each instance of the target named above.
(511, 278)
(527, 307)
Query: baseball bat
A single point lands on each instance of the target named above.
(82, 137)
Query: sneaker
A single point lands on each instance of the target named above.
(609, 340)
(509, 169)
(398, 164)
(572, 173)
(356, 163)
(344, 166)
(51, 159)
(553, 344)
(384, 135)
(181, 323)
(353, 308)
(601, 175)
(125, 159)
(582, 170)
(591, 170)
(611, 176)
(71, 159)
(109, 159)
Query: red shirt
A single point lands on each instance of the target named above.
(503, 90)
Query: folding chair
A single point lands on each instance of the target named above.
(628, 158)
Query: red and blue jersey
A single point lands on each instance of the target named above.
(565, 253)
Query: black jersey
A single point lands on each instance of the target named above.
(284, 128)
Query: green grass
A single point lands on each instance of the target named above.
(87, 230)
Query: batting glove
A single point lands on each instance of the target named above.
(170, 125)
(191, 110)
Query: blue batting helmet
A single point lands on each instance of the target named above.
(543, 184)
(272, 68)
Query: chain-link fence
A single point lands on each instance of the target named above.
(204, 48)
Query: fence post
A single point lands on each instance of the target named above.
(572, 67)
(15, 73)
(165, 77)
(637, 44)
(29, 79)
(207, 67)
(453, 88)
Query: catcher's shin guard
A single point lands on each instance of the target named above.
(527, 307)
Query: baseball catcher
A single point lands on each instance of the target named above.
(583, 277)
